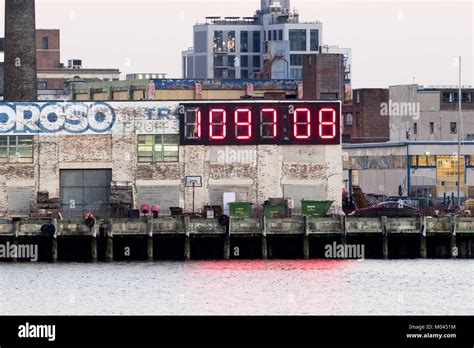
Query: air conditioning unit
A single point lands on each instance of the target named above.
(74, 64)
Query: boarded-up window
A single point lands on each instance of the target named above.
(165, 196)
(242, 194)
(306, 192)
(19, 199)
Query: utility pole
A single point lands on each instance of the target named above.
(459, 135)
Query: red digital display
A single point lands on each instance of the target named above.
(217, 124)
(243, 124)
(302, 124)
(262, 122)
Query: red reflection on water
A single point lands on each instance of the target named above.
(273, 265)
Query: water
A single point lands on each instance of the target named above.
(370, 287)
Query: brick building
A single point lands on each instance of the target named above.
(53, 77)
(88, 152)
(362, 118)
(323, 76)
(48, 49)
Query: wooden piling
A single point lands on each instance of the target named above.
(187, 239)
(264, 239)
(385, 237)
(423, 247)
(453, 246)
(16, 234)
(94, 243)
(150, 241)
(54, 246)
(227, 241)
(306, 238)
(469, 247)
(110, 244)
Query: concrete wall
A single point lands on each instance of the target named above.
(428, 118)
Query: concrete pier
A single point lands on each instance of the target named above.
(264, 238)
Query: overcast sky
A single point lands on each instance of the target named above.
(393, 42)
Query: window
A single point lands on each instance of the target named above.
(448, 97)
(231, 61)
(431, 127)
(357, 119)
(218, 43)
(42, 85)
(231, 41)
(467, 97)
(470, 161)
(453, 127)
(256, 61)
(45, 43)
(296, 73)
(219, 73)
(270, 35)
(16, 149)
(349, 120)
(244, 61)
(329, 96)
(453, 97)
(358, 97)
(314, 40)
(280, 35)
(296, 59)
(218, 60)
(244, 41)
(297, 39)
(256, 41)
(244, 74)
(423, 161)
(415, 128)
(158, 148)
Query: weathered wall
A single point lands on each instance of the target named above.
(255, 173)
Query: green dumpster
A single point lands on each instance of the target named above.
(274, 210)
(240, 209)
(315, 208)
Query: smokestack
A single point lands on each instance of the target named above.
(20, 51)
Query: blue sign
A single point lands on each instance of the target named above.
(74, 117)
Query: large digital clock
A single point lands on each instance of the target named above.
(260, 122)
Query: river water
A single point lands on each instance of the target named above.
(368, 287)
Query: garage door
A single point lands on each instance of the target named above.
(85, 190)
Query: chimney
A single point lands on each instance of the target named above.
(20, 51)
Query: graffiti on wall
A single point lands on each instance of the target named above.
(88, 118)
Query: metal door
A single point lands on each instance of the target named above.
(85, 190)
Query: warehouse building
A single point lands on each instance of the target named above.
(101, 156)
(179, 89)
(421, 169)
